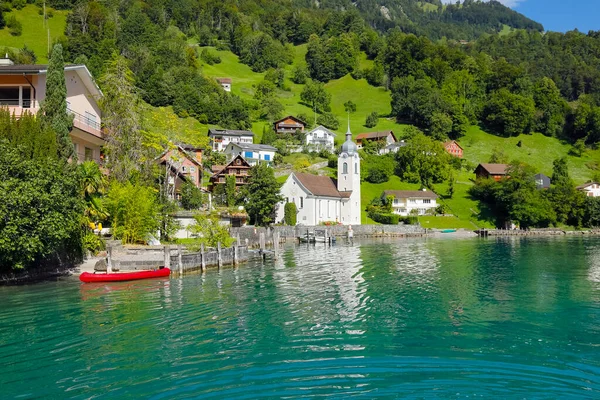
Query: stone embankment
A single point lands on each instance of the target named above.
(533, 232)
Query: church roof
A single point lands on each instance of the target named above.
(320, 185)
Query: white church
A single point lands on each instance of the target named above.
(324, 199)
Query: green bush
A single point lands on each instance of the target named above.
(92, 243)
(328, 120)
(209, 58)
(372, 120)
(290, 212)
(14, 26)
(191, 197)
(134, 212)
(384, 218)
(378, 173)
(19, 4)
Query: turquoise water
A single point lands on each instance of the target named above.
(411, 318)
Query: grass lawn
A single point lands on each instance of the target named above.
(536, 150)
(34, 35)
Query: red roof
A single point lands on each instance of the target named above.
(224, 80)
(453, 142)
(376, 135)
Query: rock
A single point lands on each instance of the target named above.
(100, 265)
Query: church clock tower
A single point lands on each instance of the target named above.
(348, 181)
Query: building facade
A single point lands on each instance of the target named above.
(237, 167)
(320, 138)
(454, 149)
(23, 89)
(321, 199)
(494, 171)
(591, 189)
(252, 153)
(220, 138)
(225, 83)
(289, 124)
(386, 137)
(182, 163)
(412, 202)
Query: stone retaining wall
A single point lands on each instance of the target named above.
(532, 232)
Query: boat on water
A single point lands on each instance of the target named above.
(309, 237)
(448, 230)
(89, 277)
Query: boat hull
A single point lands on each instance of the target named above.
(124, 276)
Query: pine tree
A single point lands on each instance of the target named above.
(54, 108)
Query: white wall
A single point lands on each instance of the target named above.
(404, 206)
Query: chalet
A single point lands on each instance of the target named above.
(23, 89)
(454, 148)
(591, 189)
(320, 138)
(182, 163)
(225, 83)
(237, 167)
(220, 138)
(386, 136)
(289, 124)
(253, 153)
(412, 202)
(542, 181)
(495, 171)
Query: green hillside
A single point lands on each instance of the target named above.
(366, 97)
(35, 33)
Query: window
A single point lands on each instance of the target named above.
(90, 119)
(89, 154)
(26, 95)
(345, 168)
(301, 202)
(183, 169)
(356, 168)
(238, 162)
(328, 210)
(412, 201)
(426, 201)
(396, 201)
(267, 157)
(248, 154)
(9, 96)
(192, 169)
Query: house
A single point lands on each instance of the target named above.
(253, 153)
(225, 83)
(289, 124)
(454, 148)
(495, 171)
(23, 89)
(321, 198)
(237, 167)
(320, 138)
(392, 148)
(412, 202)
(182, 163)
(220, 138)
(591, 189)
(386, 136)
(542, 181)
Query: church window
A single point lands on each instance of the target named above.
(345, 169)
(301, 202)
(356, 168)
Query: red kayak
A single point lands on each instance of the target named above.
(124, 276)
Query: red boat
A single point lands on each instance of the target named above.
(124, 276)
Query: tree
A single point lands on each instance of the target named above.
(372, 120)
(498, 156)
(290, 214)
(350, 107)
(262, 195)
(566, 200)
(315, 95)
(230, 190)
(269, 135)
(119, 105)
(41, 210)
(54, 108)
(550, 118)
(191, 197)
(509, 114)
(423, 160)
(299, 75)
(328, 120)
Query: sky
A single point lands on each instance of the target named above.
(559, 15)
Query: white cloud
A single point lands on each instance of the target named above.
(508, 3)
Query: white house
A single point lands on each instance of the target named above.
(220, 138)
(392, 148)
(591, 189)
(23, 89)
(321, 198)
(320, 138)
(225, 83)
(252, 153)
(407, 201)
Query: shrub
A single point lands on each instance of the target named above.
(134, 212)
(332, 161)
(19, 4)
(372, 120)
(209, 57)
(14, 26)
(299, 75)
(384, 218)
(210, 231)
(290, 213)
(92, 243)
(378, 173)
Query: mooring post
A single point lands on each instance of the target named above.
(276, 242)
(167, 258)
(219, 259)
(235, 254)
(179, 259)
(202, 257)
(262, 241)
(109, 259)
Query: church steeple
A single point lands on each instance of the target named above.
(349, 147)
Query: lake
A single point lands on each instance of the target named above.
(443, 318)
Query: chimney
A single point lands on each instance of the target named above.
(6, 61)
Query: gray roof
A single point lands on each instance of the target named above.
(254, 147)
(228, 132)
